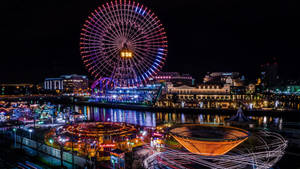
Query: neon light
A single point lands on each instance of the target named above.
(157, 134)
(107, 145)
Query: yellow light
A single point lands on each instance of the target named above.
(127, 54)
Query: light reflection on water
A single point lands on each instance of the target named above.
(151, 119)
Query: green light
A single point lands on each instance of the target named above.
(51, 141)
(14, 129)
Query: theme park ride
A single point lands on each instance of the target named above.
(208, 140)
(95, 139)
(219, 147)
(123, 45)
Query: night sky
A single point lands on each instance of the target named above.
(41, 38)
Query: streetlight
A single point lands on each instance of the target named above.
(62, 143)
(15, 131)
(51, 141)
(30, 131)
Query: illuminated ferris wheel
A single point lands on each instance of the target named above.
(124, 41)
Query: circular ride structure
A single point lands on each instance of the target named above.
(124, 41)
(208, 140)
(93, 138)
(262, 150)
(100, 129)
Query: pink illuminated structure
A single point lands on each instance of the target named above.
(124, 41)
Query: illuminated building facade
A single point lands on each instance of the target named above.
(146, 95)
(53, 84)
(224, 96)
(175, 78)
(72, 83)
(67, 83)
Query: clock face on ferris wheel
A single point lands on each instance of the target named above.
(124, 41)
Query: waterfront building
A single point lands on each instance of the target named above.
(175, 78)
(146, 94)
(67, 83)
(53, 84)
(75, 83)
(226, 97)
(219, 90)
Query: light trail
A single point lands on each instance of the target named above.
(267, 150)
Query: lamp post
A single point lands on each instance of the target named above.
(15, 132)
(30, 131)
(51, 141)
(62, 143)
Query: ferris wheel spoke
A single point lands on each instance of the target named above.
(133, 17)
(117, 17)
(112, 23)
(125, 17)
(156, 63)
(114, 17)
(99, 31)
(147, 24)
(152, 36)
(148, 30)
(103, 24)
(104, 62)
(146, 62)
(100, 24)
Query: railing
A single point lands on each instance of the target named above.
(67, 157)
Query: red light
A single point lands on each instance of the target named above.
(107, 145)
(157, 134)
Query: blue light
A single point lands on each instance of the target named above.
(140, 11)
(148, 72)
(143, 77)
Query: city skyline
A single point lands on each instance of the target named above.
(202, 37)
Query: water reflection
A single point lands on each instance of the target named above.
(151, 119)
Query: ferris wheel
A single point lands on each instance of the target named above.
(124, 41)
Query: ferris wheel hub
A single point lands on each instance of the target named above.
(126, 54)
